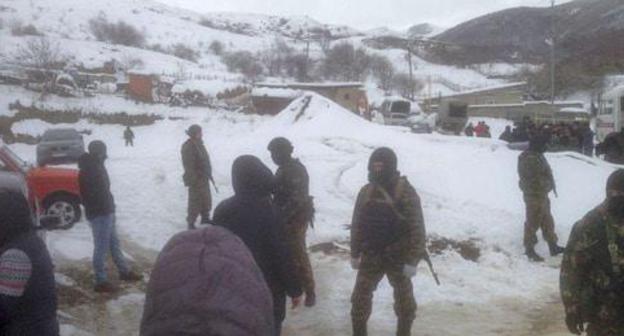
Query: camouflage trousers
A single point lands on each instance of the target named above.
(296, 230)
(199, 203)
(372, 269)
(538, 216)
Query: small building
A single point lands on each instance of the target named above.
(538, 111)
(351, 96)
(512, 93)
(149, 88)
(508, 101)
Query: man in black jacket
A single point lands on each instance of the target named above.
(250, 215)
(100, 211)
(197, 177)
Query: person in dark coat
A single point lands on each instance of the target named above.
(27, 287)
(197, 177)
(612, 147)
(205, 282)
(129, 136)
(99, 205)
(295, 208)
(506, 135)
(469, 131)
(251, 216)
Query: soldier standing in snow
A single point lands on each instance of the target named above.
(387, 238)
(129, 136)
(536, 181)
(592, 271)
(295, 209)
(197, 177)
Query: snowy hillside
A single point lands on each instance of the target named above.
(468, 188)
(67, 23)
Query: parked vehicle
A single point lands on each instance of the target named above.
(453, 117)
(610, 113)
(54, 190)
(62, 145)
(395, 111)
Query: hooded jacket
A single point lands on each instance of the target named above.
(95, 187)
(250, 215)
(205, 282)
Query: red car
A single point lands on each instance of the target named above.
(54, 190)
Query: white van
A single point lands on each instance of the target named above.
(610, 113)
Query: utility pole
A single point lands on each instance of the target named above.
(552, 53)
(411, 72)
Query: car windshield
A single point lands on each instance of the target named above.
(400, 107)
(60, 134)
(21, 163)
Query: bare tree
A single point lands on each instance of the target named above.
(407, 86)
(344, 62)
(217, 47)
(274, 58)
(383, 70)
(41, 54)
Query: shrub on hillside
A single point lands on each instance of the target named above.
(407, 87)
(116, 33)
(185, 52)
(345, 62)
(28, 30)
(243, 62)
(217, 47)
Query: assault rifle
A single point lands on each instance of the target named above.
(427, 259)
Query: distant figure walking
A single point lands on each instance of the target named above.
(129, 136)
(469, 131)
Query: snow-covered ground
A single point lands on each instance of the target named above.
(468, 188)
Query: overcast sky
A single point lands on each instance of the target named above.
(365, 14)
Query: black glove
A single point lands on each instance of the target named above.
(574, 323)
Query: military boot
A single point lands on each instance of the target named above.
(555, 249)
(532, 255)
(404, 327)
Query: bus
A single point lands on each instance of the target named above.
(610, 113)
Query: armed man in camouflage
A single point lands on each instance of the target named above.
(536, 181)
(295, 208)
(197, 177)
(387, 238)
(592, 271)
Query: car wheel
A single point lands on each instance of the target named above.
(65, 207)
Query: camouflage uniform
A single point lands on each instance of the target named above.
(374, 265)
(197, 175)
(536, 181)
(592, 273)
(295, 208)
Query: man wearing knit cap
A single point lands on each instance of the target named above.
(387, 239)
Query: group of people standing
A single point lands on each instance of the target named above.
(482, 130)
(233, 275)
(270, 214)
(592, 270)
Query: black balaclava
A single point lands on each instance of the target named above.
(389, 172)
(281, 150)
(538, 143)
(15, 215)
(250, 177)
(97, 148)
(615, 204)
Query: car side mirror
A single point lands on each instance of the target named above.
(50, 222)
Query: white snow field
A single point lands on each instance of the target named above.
(468, 188)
